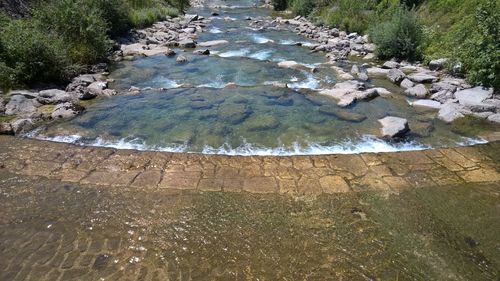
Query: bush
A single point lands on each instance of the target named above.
(302, 7)
(351, 16)
(477, 45)
(399, 37)
(82, 26)
(280, 5)
(30, 55)
(147, 16)
(116, 13)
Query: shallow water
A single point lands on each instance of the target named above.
(50, 229)
(226, 102)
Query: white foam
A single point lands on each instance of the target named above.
(259, 39)
(261, 55)
(165, 82)
(218, 83)
(309, 83)
(235, 53)
(214, 30)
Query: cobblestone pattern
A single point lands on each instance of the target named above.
(297, 175)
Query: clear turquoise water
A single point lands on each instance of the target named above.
(226, 102)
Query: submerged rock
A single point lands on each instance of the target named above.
(394, 127)
(342, 114)
(181, 59)
(261, 122)
(233, 113)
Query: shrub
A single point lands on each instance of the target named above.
(80, 23)
(280, 5)
(351, 16)
(116, 13)
(477, 45)
(302, 7)
(399, 37)
(30, 55)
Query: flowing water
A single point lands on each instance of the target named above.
(230, 102)
(51, 230)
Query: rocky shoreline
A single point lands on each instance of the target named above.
(24, 109)
(351, 56)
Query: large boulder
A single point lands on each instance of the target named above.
(393, 127)
(473, 96)
(418, 91)
(21, 106)
(21, 126)
(66, 110)
(54, 96)
(187, 43)
(396, 76)
(377, 72)
(442, 96)
(450, 112)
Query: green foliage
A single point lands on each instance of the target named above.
(280, 5)
(351, 16)
(399, 37)
(28, 54)
(64, 35)
(302, 7)
(477, 45)
(80, 23)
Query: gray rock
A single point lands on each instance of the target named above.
(394, 127)
(21, 106)
(406, 84)
(480, 107)
(187, 43)
(494, 118)
(212, 43)
(473, 96)
(66, 110)
(190, 18)
(443, 86)
(181, 59)
(419, 91)
(342, 114)
(423, 78)
(54, 96)
(437, 64)
(427, 104)
(6, 129)
(390, 64)
(109, 93)
(84, 79)
(450, 112)
(377, 72)
(20, 126)
(442, 96)
(2, 105)
(396, 76)
(97, 87)
(202, 52)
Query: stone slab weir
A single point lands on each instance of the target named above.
(294, 175)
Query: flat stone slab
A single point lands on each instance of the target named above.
(292, 175)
